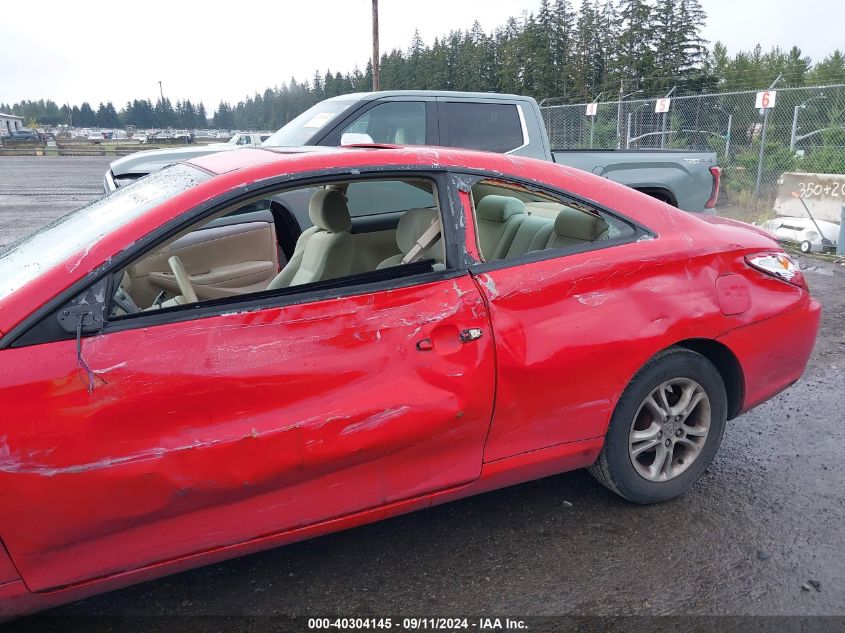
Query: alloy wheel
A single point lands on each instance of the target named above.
(669, 429)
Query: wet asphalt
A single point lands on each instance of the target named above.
(761, 533)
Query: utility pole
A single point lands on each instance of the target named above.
(375, 47)
(161, 91)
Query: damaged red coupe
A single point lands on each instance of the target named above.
(263, 346)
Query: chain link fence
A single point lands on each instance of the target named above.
(804, 131)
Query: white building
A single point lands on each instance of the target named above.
(9, 123)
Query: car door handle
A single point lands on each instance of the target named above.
(465, 336)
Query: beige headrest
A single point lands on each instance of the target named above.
(499, 208)
(579, 225)
(328, 211)
(411, 226)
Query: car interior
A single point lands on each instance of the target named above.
(355, 227)
(512, 220)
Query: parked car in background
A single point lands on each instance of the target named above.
(507, 124)
(25, 134)
(140, 137)
(245, 139)
(812, 236)
(96, 137)
(177, 392)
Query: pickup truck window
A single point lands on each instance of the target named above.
(492, 127)
(398, 122)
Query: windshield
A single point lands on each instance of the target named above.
(24, 260)
(301, 130)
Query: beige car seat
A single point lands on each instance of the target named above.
(576, 227)
(411, 227)
(497, 220)
(324, 251)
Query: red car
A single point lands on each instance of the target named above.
(186, 378)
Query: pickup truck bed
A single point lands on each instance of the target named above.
(682, 178)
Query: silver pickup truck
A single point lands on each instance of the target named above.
(508, 124)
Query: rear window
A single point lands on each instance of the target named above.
(493, 127)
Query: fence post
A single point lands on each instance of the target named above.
(794, 129)
(762, 151)
(728, 139)
(763, 142)
(619, 122)
(840, 245)
(663, 124)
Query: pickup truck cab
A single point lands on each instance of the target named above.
(506, 124)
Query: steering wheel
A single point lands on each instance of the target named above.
(185, 287)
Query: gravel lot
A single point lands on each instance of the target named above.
(36, 189)
(766, 519)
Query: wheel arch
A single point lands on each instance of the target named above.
(662, 194)
(727, 365)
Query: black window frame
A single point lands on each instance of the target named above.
(40, 327)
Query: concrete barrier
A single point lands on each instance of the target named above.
(824, 194)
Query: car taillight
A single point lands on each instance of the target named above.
(716, 172)
(778, 265)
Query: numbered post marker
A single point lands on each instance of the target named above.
(592, 108)
(765, 99)
(661, 106)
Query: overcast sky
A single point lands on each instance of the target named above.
(207, 51)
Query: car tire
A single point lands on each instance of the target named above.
(677, 373)
(806, 246)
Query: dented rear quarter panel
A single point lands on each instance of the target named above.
(573, 330)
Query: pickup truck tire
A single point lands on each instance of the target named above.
(665, 430)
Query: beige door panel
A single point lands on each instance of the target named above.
(225, 261)
(222, 281)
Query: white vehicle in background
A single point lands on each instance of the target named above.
(246, 139)
(140, 137)
(812, 236)
(96, 137)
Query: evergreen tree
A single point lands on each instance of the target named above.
(558, 52)
(636, 33)
(202, 118)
